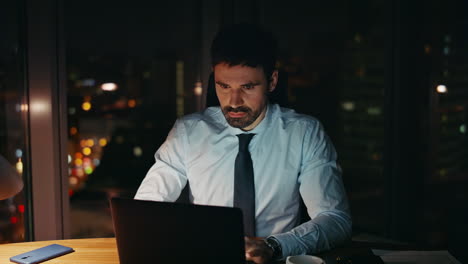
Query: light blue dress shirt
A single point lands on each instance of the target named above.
(292, 157)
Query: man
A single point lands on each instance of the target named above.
(10, 181)
(287, 156)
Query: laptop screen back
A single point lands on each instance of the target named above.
(166, 233)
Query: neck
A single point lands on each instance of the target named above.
(258, 120)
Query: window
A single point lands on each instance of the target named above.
(14, 212)
(333, 55)
(132, 69)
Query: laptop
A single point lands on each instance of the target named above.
(175, 233)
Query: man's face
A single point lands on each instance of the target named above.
(242, 93)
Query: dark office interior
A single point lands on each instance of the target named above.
(388, 80)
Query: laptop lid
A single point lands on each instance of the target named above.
(170, 233)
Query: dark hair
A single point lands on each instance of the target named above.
(245, 44)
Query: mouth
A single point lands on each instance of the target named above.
(237, 114)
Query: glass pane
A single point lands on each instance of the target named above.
(132, 70)
(333, 57)
(14, 220)
(446, 49)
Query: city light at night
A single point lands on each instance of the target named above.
(87, 151)
(22, 107)
(90, 142)
(137, 151)
(374, 110)
(78, 162)
(88, 170)
(109, 87)
(86, 106)
(463, 129)
(198, 90)
(79, 172)
(73, 181)
(442, 88)
(131, 103)
(348, 106)
(19, 166)
(102, 142)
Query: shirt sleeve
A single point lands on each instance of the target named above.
(167, 177)
(322, 190)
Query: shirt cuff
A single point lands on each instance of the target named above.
(290, 244)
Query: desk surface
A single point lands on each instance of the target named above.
(104, 251)
(87, 251)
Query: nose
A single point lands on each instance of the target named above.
(236, 99)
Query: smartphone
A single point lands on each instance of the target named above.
(41, 254)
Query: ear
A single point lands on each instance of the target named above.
(273, 81)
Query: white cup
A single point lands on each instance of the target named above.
(304, 259)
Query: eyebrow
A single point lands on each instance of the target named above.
(245, 84)
(251, 83)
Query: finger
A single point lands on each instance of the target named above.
(248, 242)
(258, 260)
(254, 253)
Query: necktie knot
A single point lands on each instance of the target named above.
(244, 140)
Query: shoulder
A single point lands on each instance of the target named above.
(208, 118)
(290, 118)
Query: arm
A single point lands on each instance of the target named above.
(167, 177)
(322, 190)
(10, 181)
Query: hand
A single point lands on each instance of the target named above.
(257, 251)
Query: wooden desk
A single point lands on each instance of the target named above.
(104, 251)
(87, 251)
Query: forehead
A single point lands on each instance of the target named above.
(238, 73)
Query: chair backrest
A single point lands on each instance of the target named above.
(278, 96)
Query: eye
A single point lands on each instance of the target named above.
(224, 86)
(249, 86)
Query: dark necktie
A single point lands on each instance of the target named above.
(244, 186)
